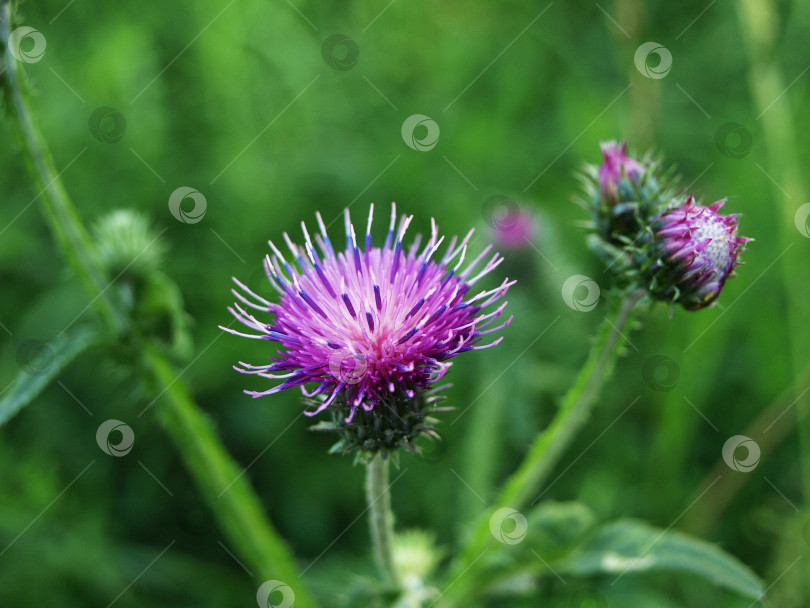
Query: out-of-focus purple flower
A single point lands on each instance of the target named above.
(512, 226)
(697, 251)
(369, 326)
(615, 166)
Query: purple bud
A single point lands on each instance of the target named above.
(616, 166)
(698, 248)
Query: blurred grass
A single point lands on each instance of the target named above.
(338, 144)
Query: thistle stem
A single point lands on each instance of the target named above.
(237, 508)
(381, 518)
(221, 482)
(54, 200)
(549, 445)
(575, 409)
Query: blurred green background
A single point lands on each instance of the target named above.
(238, 101)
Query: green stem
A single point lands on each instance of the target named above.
(218, 477)
(59, 210)
(381, 518)
(222, 482)
(548, 447)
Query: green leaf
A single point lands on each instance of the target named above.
(42, 363)
(556, 528)
(629, 546)
(528, 545)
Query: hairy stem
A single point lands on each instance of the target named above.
(54, 200)
(549, 445)
(381, 518)
(216, 474)
(222, 483)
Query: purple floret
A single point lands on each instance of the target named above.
(617, 165)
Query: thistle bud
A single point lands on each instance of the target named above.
(624, 195)
(616, 168)
(694, 251)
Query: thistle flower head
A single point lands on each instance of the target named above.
(696, 250)
(370, 329)
(623, 195)
(616, 166)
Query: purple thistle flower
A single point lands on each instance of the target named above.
(369, 326)
(698, 251)
(617, 165)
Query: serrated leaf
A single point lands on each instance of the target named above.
(59, 353)
(632, 546)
